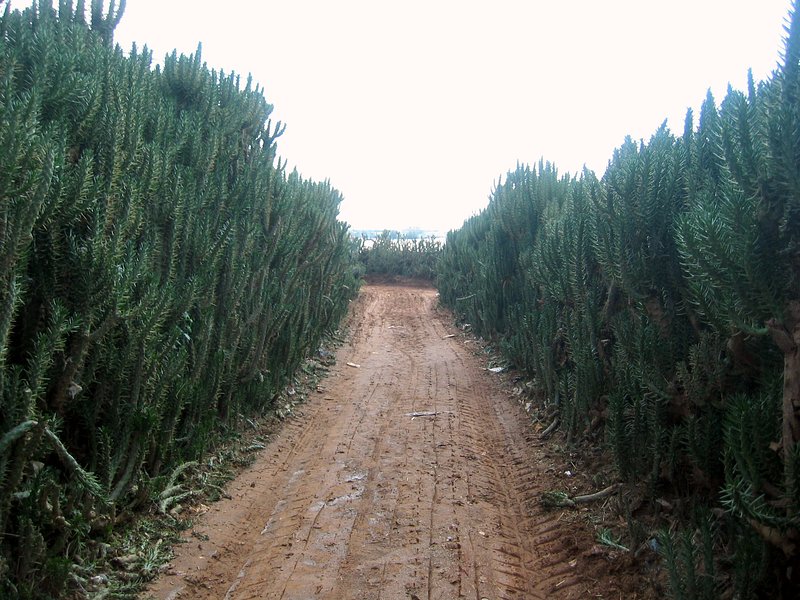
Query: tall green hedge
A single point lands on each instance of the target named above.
(160, 276)
(663, 301)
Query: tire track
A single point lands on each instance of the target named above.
(412, 477)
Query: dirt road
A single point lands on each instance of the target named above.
(413, 475)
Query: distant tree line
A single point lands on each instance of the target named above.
(392, 254)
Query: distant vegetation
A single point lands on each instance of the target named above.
(411, 233)
(392, 254)
(161, 278)
(657, 310)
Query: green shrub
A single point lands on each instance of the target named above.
(664, 300)
(160, 276)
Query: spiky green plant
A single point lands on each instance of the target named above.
(663, 301)
(160, 275)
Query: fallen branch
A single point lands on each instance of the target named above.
(562, 499)
(178, 471)
(550, 428)
(165, 503)
(556, 500)
(604, 493)
(604, 536)
(219, 490)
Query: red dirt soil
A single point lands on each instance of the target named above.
(413, 474)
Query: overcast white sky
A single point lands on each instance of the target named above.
(414, 108)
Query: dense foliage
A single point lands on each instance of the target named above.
(663, 301)
(160, 276)
(392, 255)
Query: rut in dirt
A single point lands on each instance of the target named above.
(412, 475)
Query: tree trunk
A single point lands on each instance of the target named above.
(787, 337)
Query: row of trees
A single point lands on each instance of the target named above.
(392, 255)
(160, 276)
(663, 301)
